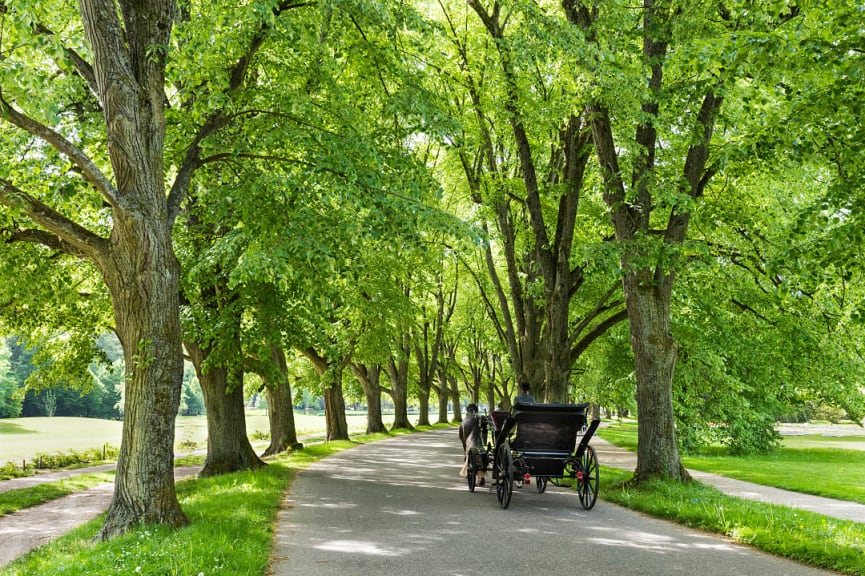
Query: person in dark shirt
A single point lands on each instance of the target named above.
(525, 395)
(470, 435)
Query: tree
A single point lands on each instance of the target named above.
(280, 409)
(765, 325)
(136, 260)
(369, 378)
(691, 63)
(111, 113)
(524, 154)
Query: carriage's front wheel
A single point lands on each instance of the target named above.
(504, 475)
(473, 458)
(587, 478)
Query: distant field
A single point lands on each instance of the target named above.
(25, 438)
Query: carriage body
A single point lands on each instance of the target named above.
(547, 443)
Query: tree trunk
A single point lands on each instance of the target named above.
(370, 381)
(228, 447)
(280, 408)
(334, 411)
(655, 355)
(443, 396)
(398, 373)
(454, 392)
(330, 372)
(142, 275)
(423, 408)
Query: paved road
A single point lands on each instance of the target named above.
(399, 507)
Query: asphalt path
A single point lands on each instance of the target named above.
(399, 507)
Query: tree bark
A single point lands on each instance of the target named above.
(140, 268)
(454, 392)
(228, 447)
(370, 380)
(143, 277)
(423, 407)
(655, 355)
(280, 408)
(397, 370)
(443, 397)
(330, 372)
(334, 410)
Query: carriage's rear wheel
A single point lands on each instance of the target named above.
(541, 484)
(473, 458)
(504, 475)
(587, 478)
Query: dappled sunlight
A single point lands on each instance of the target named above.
(327, 503)
(400, 512)
(360, 547)
(659, 543)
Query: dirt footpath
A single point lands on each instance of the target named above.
(26, 530)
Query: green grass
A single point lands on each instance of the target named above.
(799, 535)
(14, 500)
(832, 473)
(26, 438)
(219, 509)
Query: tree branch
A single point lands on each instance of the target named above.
(598, 331)
(62, 233)
(88, 169)
(84, 69)
(219, 118)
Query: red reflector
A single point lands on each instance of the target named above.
(528, 477)
(580, 476)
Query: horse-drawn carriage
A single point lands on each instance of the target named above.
(537, 441)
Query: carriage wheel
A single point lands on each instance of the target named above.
(504, 475)
(587, 478)
(541, 484)
(472, 468)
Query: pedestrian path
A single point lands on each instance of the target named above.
(615, 457)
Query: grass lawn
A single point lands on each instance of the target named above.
(829, 471)
(25, 438)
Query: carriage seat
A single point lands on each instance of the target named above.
(547, 429)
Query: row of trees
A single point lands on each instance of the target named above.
(438, 199)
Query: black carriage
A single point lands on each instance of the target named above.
(539, 441)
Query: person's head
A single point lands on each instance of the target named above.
(525, 386)
(472, 409)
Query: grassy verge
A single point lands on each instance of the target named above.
(14, 500)
(219, 509)
(799, 535)
(832, 473)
